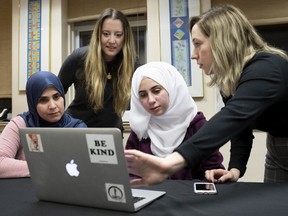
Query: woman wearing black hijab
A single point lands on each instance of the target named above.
(46, 108)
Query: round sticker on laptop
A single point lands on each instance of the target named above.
(115, 192)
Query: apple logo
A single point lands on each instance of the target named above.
(72, 168)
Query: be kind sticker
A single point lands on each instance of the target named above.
(101, 148)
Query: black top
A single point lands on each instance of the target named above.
(260, 102)
(72, 71)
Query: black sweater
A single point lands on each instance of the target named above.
(70, 73)
(260, 102)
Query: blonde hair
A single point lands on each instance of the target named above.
(233, 42)
(95, 68)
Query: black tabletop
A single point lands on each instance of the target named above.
(17, 198)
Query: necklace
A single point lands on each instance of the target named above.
(109, 76)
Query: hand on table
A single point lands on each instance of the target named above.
(221, 175)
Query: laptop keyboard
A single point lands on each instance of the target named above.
(137, 199)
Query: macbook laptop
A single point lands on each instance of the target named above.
(82, 166)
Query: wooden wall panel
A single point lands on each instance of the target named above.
(260, 10)
(80, 8)
(6, 48)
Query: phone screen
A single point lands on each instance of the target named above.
(205, 188)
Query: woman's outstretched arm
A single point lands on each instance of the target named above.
(152, 169)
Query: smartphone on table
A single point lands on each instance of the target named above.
(205, 188)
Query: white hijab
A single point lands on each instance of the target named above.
(168, 130)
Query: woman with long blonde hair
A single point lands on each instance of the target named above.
(102, 72)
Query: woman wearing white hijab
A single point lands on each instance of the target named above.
(163, 115)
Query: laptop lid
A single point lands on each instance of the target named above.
(81, 166)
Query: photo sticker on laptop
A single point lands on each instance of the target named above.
(101, 148)
(34, 142)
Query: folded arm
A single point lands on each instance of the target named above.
(12, 159)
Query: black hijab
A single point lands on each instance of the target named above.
(35, 86)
